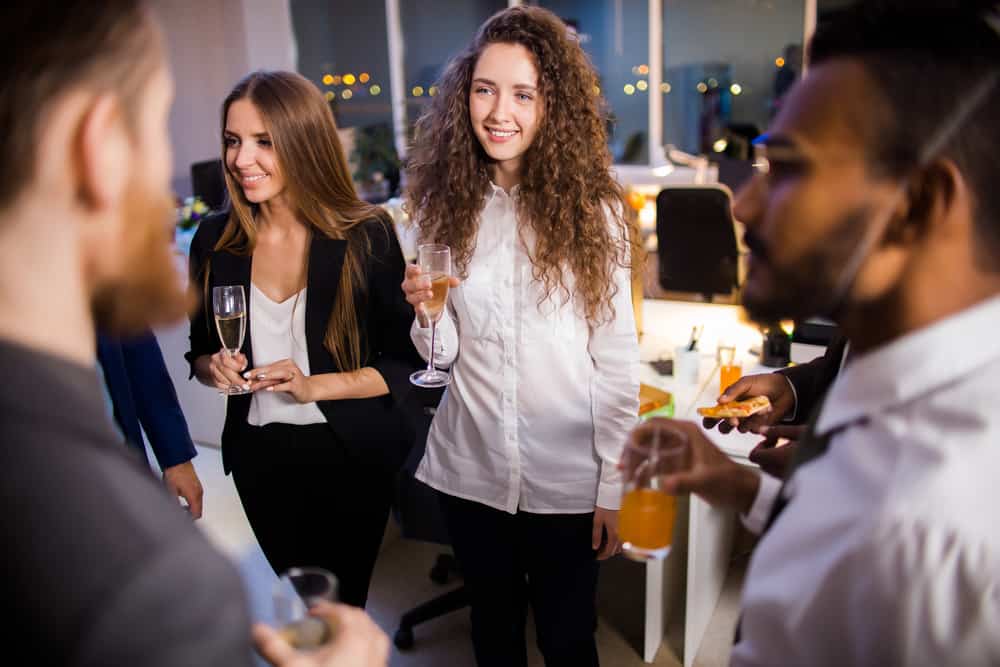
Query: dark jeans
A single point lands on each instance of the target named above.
(509, 561)
(310, 504)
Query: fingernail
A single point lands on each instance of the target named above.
(246, 375)
(270, 388)
(246, 387)
(261, 376)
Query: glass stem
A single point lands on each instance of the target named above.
(430, 362)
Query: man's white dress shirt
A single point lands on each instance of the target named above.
(888, 552)
(540, 403)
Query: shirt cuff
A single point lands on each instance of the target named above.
(421, 338)
(609, 495)
(790, 417)
(767, 494)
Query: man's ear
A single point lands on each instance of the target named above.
(101, 154)
(930, 194)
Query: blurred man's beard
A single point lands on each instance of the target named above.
(815, 284)
(150, 291)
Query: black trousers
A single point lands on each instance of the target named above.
(509, 561)
(310, 504)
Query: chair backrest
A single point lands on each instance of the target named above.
(208, 183)
(697, 240)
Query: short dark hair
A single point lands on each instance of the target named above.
(925, 58)
(49, 48)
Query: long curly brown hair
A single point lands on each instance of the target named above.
(568, 196)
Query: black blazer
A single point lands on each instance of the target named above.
(375, 431)
(812, 379)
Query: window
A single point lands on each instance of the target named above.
(343, 49)
(615, 35)
(433, 32)
(726, 64)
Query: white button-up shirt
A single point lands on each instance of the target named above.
(888, 552)
(540, 403)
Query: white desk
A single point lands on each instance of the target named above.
(667, 324)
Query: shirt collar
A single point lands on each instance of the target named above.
(496, 190)
(913, 365)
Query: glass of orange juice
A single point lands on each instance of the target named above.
(646, 520)
(729, 370)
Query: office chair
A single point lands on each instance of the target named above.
(697, 241)
(208, 183)
(419, 516)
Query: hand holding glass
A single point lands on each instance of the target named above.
(435, 263)
(229, 306)
(646, 521)
(296, 591)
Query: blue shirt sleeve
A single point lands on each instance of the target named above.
(156, 402)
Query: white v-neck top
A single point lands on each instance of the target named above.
(278, 331)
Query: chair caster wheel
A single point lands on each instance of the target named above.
(403, 639)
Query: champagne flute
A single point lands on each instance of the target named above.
(646, 521)
(297, 590)
(229, 306)
(435, 262)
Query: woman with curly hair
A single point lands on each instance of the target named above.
(510, 168)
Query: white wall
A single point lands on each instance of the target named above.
(211, 45)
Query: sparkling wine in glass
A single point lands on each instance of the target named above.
(230, 308)
(646, 520)
(435, 262)
(295, 593)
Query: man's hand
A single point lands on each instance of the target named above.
(183, 482)
(357, 642)
(713, 476)
(775, 386)
(771, 454)
(606, 520)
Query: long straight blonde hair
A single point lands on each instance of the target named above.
(318, 186)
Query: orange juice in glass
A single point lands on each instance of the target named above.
(646, 520)
(729, 370)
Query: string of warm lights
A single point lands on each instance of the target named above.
(642, 85)
(355, 84)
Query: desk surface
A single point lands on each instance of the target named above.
(667, 324)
